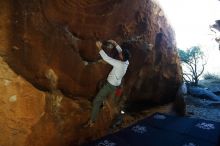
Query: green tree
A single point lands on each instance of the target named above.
(193, 64)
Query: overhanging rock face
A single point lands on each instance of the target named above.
(60, 35)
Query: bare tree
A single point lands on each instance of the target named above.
(193, 64)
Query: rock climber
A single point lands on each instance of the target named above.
(113, 80)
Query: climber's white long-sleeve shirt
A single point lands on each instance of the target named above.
(119, 68)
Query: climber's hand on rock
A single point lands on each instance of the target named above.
(99, 45)
(112, 42)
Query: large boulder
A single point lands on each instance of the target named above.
(203, 93)
(60, 35)
(50, 45)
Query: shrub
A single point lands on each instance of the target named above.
(209, 76)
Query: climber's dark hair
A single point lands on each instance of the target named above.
(125, 50)
(126, 54)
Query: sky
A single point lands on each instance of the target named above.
(190, 20)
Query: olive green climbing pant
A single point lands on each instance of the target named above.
(103, 93)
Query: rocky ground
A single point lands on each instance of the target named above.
(196, 107)
(204, 108)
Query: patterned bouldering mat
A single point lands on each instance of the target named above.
(165, 130)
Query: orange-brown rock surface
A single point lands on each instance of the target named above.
(51, 44)
(30, 117)
(21, 107)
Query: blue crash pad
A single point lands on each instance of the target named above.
(164, 130)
